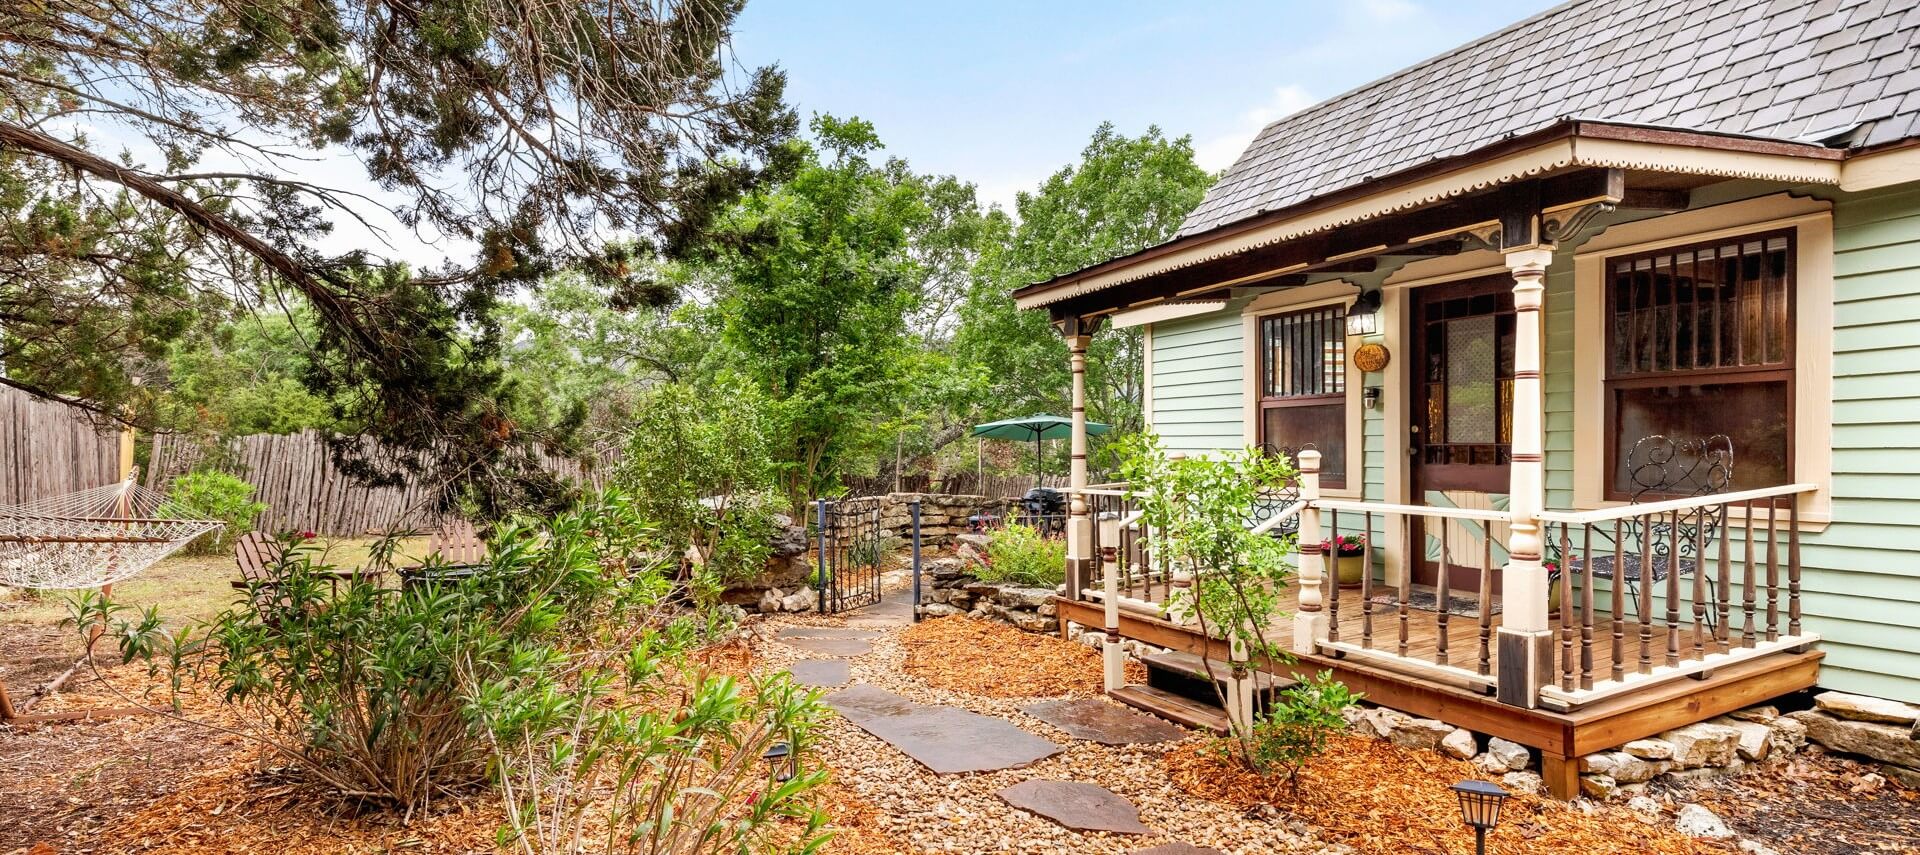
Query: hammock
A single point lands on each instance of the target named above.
(92, 538)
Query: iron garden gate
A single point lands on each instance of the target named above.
(852, 546)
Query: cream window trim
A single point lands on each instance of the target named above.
(1812, 222)
(1296, 300)
(1146, 380)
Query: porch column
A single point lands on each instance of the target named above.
(1525, 640)
(1080, 557)
(1309, 622)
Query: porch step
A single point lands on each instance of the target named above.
(1183, 674)
(1174, 708)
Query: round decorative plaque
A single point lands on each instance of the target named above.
(1370, 357)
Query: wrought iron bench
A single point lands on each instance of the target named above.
(1661, 468)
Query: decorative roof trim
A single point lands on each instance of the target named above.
(1686, 153)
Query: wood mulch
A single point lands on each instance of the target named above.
(1817, 805)
(1383, 800)
(994, 660)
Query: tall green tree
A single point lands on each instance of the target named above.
(815, 285)
(1125, 194)
(550, 136)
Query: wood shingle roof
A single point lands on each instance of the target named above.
(1844, 71)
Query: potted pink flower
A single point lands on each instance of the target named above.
(1347, 554)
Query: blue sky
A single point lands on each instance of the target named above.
(1004, 93)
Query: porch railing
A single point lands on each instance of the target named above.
(1639, 594)
(1647, 592)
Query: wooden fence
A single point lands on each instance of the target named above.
(50, 449)
(295, 476)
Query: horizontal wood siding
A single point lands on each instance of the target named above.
(1863, 573)
(1197, 367)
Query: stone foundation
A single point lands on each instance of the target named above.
(942, 517)
(953, 590)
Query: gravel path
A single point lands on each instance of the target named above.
(960, 813)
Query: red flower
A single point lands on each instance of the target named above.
(308, 535)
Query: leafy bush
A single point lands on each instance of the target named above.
(650, 754)
(215, 495)
(1295, 728)
(697, 466)
(365, 688)
(1021, 555)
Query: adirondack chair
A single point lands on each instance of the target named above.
(258, 555)
(457, 542)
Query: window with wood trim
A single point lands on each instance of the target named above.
(1699, 344)
(1303, 387)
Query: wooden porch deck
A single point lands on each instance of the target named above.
(1561, 738)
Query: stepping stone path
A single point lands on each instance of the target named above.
(820, 673)
(839, 632)
(1177, 848)
(830, 646)
(947, 740)
(1107, 723)
(1081, 807)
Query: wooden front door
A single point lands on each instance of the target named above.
(1461, 430)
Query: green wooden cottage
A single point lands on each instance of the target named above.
(1606, 327)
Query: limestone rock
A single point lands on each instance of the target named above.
(1459, 744)
(1761, 714)
(770, 601)
(969, 553)
(1023, 598)
(934, 610)
(1864, 708)
(1622, 767)
(799, 601)
(1702, 744)
(1649, 749)
(1697, 821)
(1905, 777)
(1755, 847)
(1380, 723)
(1511, 756)
(1883, 742)
(1646, 806)
(1786, 735)
(1353, 714)
(1755, 740)
(1522, 782)
(1423, 733)
(1600, 787)
(977, 541)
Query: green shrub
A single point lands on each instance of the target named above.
(1296, 727)
(215, 495)
(651, 754)
(1021, 555)
(368, 689)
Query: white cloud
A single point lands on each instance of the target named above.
(1221, 151)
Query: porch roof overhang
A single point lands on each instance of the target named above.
(1507, 195)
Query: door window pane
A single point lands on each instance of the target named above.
(1472, 381)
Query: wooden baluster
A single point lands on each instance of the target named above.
(1793, 565)
(1442, 596)
(1618, 590)
(1746, 582)
(1586, 603)
(1566, 613)
(1700, 585)
(1725, 591)
(1486, 603)
(1331, 578)
(1366, 586)
(1406, 584)
(1646, 592)
(1673, 589)
(1773, 569)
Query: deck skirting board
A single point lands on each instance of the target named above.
(1556, 698)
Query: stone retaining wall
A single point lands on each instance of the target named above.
(952, 589)
(942, 516)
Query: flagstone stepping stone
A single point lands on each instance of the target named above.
(947, 740)
(820, 673)
(1081, 807)
(885, 614)
(840, 632)
(830, 646)
(1096, 720)
(1178, 848)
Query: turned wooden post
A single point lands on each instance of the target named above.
(1525, 636)
(1309, 621)
(1080, 556)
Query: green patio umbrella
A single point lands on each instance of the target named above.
(1033, 429)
